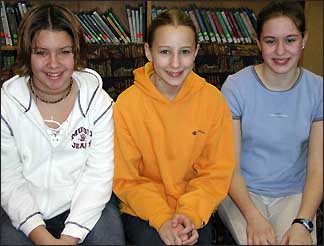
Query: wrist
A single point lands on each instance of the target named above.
(308, 224)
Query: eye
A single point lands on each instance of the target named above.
(186, 51)
(66, 51)
(40, 52)
(291, 40)
(164, 52)
(269, 41)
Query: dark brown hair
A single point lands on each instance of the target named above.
(290, 9)
(173, 17)
(48, 17)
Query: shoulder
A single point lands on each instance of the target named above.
(310, 77)
(241, 78)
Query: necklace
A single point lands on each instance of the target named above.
(46, 101)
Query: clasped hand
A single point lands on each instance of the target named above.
(179, 230)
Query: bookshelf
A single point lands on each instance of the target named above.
(115, 62)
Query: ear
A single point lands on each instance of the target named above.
(258, 43)
(305, 38)
(197, 49)
(147, 52)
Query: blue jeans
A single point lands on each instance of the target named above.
(139, 232)
(107, 231)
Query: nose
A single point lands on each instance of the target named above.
(280, 48)
(175, 60)
(53, 60)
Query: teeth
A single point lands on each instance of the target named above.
(53, 74)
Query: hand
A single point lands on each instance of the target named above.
(169, 234)
(297, 235)
(69, 240)
(188, 234)
(260, 232)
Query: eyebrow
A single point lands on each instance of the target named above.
(290, 35)
(64, 47)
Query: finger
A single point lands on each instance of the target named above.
(193, 238)
(272, 239)
(284, 241)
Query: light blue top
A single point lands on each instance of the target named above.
(275, 129)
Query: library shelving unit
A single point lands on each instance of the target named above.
(115, 62)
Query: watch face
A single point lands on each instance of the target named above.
(309, 225)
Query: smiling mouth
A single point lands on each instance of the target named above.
(54, 75)
(175, 74)
(281, 61)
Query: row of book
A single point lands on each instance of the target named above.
(221, 25)
(10, 18)
(99, 27)
(105, 28)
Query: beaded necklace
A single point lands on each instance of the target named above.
(46, 101)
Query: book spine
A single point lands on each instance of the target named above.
(134, 25)
(218, 39)
(208, 25)
(228, 26)
(130, 25)
(95, 28)
(13, 27)
(100, 29)
(115, 28)
(235, 33)
(141, 34)
(137, 24)
(231, 15)
(87, 33)
(89, 28)
(219, 27)
(201, 24)
(195, 21)
(118, 25)
(226, 32)
(2, 34)
(249, 24)
(242, 27)
(5, 24)
(105, 29)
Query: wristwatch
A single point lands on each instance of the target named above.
(305, 222)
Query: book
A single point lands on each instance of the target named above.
(13, 26)
(137, 26)
(134, 25)
(195, 21)
(218, 26)
(115, 28)
(230, 22)
(101, 26)
(228, 26)
(2, 34)
(248, 24)
(242, 27)
(119, 26)
(201, 23)
(212, 23)
(221, 21)
(95, 28)
(101, 19)
(208, 25)
(89, 28)
(230, 13)
(87, 33)
(141, 18)
(5, 24)
(130, 25)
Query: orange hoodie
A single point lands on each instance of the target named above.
(172, 156)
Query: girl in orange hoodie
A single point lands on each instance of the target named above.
(174, 150)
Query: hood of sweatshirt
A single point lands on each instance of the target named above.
(192, 84)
